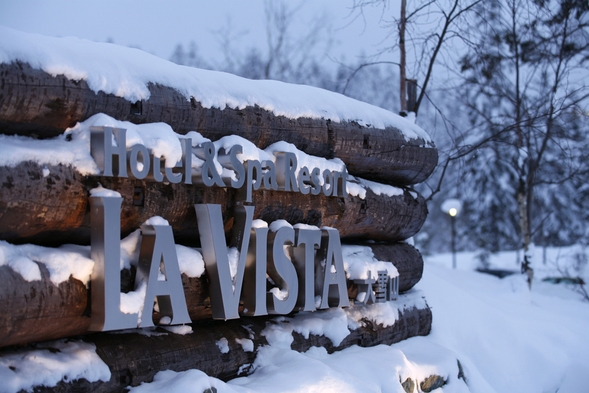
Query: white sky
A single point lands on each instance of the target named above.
(158, 26)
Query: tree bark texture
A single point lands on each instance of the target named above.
(34, 103)
(54, 209)
(135, 358)
(39, 310)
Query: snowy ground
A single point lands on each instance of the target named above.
(506, 338)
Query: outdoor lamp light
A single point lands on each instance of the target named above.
(452, 206)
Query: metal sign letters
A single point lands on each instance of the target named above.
(305, 265)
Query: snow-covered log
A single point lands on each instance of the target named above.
(135, 358)
(39, 310)
(49, 206)
(36, 103)
(406, 258)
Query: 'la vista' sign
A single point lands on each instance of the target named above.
(304, 263)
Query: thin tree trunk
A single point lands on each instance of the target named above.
(524, 161)
(403, 61)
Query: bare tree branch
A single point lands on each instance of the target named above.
(360, 67)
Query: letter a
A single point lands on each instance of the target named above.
(158, 251)
(334, 292)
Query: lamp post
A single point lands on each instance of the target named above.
(452, 206)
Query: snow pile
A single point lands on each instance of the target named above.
(127, 72)
(223, 345)
(354, 369)
(50, 363)
(331, 323)
(191, 381)
(385, 313)
(104, 192)
(359, 260)
(62, 262)
(75, 152)
(178, 329)
(357, 187)
(246, 344)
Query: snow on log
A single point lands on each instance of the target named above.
(48, 205)
(406, 258)
(36, 103)
(135, 358)
(40, 310)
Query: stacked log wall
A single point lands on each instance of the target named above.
(52, 209)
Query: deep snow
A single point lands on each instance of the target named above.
(506, 338)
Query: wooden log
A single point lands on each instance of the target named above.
(35, 103)
(39, 310)
(53, 210)
(402, 255)
(134, 358)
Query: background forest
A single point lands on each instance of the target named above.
(501, 86)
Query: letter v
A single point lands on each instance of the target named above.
(224, 292)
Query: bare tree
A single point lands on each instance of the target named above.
(427, 28)
(526, 87)
(288, 56)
